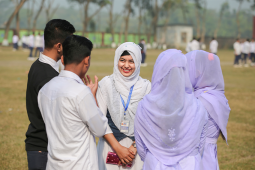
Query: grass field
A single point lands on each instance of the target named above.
(240, 91)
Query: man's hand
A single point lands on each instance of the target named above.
(126, 156)
(93, 86)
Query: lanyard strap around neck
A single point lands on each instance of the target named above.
(128, 100)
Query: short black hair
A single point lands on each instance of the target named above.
(56, 31)
(213, 38)
(125, 53)
(76, 48)
(248, 39)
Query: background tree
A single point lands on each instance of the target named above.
(224, 7)
(49, 11)
(237, 18)
(203, 31)
(37, 14)
(198, 7)
(86, 17)
(112, 19)
(30, 13)
(16, 10)
(128, 11)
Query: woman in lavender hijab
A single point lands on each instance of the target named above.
(208, 83)
(170, 121)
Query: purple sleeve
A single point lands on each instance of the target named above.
(203, 137)
(141, 148)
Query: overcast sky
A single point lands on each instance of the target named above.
(212, 4)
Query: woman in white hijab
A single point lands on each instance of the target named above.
(118, 96)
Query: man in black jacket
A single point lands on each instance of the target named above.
(42, 71)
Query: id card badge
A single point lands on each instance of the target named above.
(124, 126)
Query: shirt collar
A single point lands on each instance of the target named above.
(47, 60)
(69, 74)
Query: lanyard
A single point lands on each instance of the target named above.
(128, 100)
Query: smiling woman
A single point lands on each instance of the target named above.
(126, 64)
(118, 96)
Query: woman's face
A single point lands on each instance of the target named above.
(126, 65)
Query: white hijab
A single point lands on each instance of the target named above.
(116, 84)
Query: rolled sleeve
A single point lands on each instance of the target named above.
(92, 116)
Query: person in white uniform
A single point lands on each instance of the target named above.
(246, 51)
(194, 44)
(252, 52)
(15, 40)
(70, 112)
(31, 44)
(118, 96)
(214, 46)
(38, 44)
(237, 52)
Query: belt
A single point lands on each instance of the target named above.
(211, 140)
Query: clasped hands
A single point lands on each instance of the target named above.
(126, 155)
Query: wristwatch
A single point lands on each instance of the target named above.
(134, 144)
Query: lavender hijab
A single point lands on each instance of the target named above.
(208, 83)
(170, 120)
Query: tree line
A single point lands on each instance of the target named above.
(149, 13)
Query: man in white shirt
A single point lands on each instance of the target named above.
(214, 46)
(252, 52)
(238, 50)
(38, 44)
(15, 40)
(31, 42)
(246, 51)
(70, 111)
(24, 42)
(194, 44)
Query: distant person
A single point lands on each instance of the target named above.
(24, 42)
(246, 51)
(188, 47)
(207, 80)
(252, 52)
(170, 122)
(195, 44)
(70, 112)
(145, 53)
(38, 44)
(15, 40)
(237, 52)
(42, 71)
(214, 46)
(142, 52)
(31, 45)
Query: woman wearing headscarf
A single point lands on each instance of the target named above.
(208, 83)
(170, 121)
(118, 96)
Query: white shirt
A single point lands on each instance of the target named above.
(15, 39)
(214, 46)
(194, 45)
(252, 47)
(31, 41)
(237, 48)
(246, 47)
(24, 39)
(72, 118)
(50, 61)
(38, 41)
(188, 47)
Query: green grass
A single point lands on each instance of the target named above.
(240, 91)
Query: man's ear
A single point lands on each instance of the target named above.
(59, 47)
(62, 60)
(86, 61)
